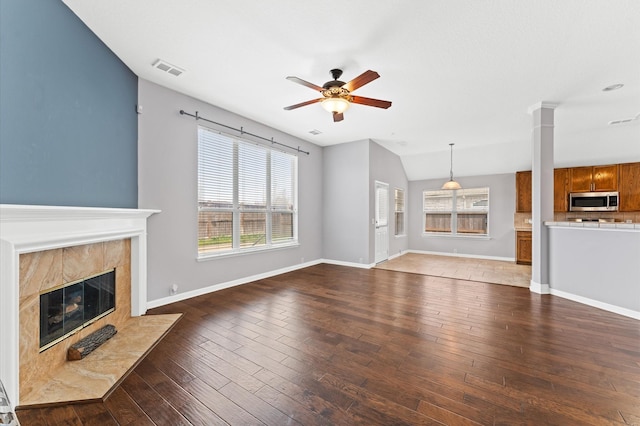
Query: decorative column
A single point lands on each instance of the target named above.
(542, 193)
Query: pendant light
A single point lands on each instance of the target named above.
(451, 184)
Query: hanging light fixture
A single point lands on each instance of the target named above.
(451, 184)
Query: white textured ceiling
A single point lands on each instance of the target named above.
(461, 71)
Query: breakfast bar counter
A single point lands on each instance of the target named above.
(596, 263)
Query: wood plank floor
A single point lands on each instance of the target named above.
(332, 345)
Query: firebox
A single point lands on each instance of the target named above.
(73, 306)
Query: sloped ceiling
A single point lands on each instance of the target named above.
(457, 71)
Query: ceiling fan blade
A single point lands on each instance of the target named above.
(338, 117)
(370, 102)
(361, 80)
(301, 104)
(305, 83)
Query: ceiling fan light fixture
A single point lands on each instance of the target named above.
(336, 104)
(451, 184)
(336, 95)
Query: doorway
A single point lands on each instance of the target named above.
(381, 221)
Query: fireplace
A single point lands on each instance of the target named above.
(53, 247)
(74, 306)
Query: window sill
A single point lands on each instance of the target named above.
(274, 247)
(464, 236)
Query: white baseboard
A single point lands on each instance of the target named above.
(597, 304)
(221, 286)
(536, 287)
(351, 264)
(472, 256)
(397, 255)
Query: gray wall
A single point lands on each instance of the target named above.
(345, 211)
(502, 208)
(67, 107)
(596, 263)
(386, 167)
(168, 182)
(350, 172)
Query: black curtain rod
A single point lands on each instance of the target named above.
(241, 130)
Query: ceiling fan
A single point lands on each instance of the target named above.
(336, 95)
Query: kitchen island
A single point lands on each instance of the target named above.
(597, 264)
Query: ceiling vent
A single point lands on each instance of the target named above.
(167, 67)
(624, 120)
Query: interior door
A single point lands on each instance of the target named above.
(381, 221)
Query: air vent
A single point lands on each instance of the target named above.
(613, 87)
(167, 67)
(624, 120)
(315, 132)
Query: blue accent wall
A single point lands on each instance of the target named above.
(68, 123)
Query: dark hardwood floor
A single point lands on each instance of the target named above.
(332, 345)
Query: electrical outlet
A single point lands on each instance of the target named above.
(174, 289)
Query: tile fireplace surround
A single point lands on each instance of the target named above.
(60, 231)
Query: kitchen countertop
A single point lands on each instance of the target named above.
(523, 228)
(591, 225)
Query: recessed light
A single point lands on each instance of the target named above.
(613, 87)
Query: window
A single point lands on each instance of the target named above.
(399, 211)
(247, 195)
(457, 212)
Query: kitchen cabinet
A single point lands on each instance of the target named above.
(561, 190)
(594, 178)
(524, 244)
(629, 187)
(523, 192)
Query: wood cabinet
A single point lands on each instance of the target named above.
(594, 178)
(629, 187)
(524, 244)
(523, 192)
(561, 190)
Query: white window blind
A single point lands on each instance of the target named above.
(399, 211)
(246, 195)
(252, 176)
(382, 208)
(215, 169)
(283, 201)
(457, 212)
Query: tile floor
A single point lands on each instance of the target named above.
(491, 271)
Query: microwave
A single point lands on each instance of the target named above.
(593, 201)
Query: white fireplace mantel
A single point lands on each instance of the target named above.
(27, 229)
